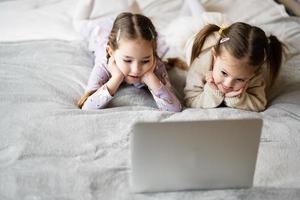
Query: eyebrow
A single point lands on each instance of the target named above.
(146, 57)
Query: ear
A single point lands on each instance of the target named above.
(109, 50)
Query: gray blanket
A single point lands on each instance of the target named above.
(50, 149)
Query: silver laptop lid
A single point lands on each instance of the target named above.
(211, 154)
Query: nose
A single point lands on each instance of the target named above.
(228, 82)
(136, 68)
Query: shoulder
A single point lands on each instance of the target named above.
(201, 64)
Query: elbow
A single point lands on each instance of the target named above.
(175, 107)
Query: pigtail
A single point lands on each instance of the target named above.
(84, 97)
(274, 58)
(200, 39)
(175, 62)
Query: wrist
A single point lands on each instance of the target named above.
(146, 77)
(118, 76)
(213, 89)
(113, 84)
(151, 81)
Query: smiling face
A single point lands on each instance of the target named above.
(134, 58)
(230, 74)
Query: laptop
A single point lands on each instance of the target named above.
(192, 155)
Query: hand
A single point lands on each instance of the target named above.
(150, 79)
(145, 78)
(114, 69)
(210, 80)
(116, 60)
(117, 76)
(238, 92)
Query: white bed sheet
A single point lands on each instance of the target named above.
(50, 149)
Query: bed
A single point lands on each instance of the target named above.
(50, 149)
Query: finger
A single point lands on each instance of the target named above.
(234, 93)
(230, 94)
(207, 79)
(212, 85)
(210, 80)
(110, 60)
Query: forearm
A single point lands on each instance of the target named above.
(97, 100)
(152, 82)
(163, 95)
(165, 99)
(253, 99)
(205, 97)
(113, 84)
(98, 77)
(247, 101)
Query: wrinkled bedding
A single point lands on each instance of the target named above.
(50, 149)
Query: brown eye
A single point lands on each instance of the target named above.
(224, 73)
(127, 61)
(145, 61)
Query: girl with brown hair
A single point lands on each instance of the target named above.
(125, 52)
(233, 66)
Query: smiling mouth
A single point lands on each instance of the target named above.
(226, 89)
(132, 76)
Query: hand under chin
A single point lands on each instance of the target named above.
(221, 88)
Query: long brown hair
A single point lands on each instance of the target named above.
(130, 26)
(246, 42)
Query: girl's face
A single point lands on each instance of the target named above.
(229, 73)
(134, 58)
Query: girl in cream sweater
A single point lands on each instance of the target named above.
(232, 66)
